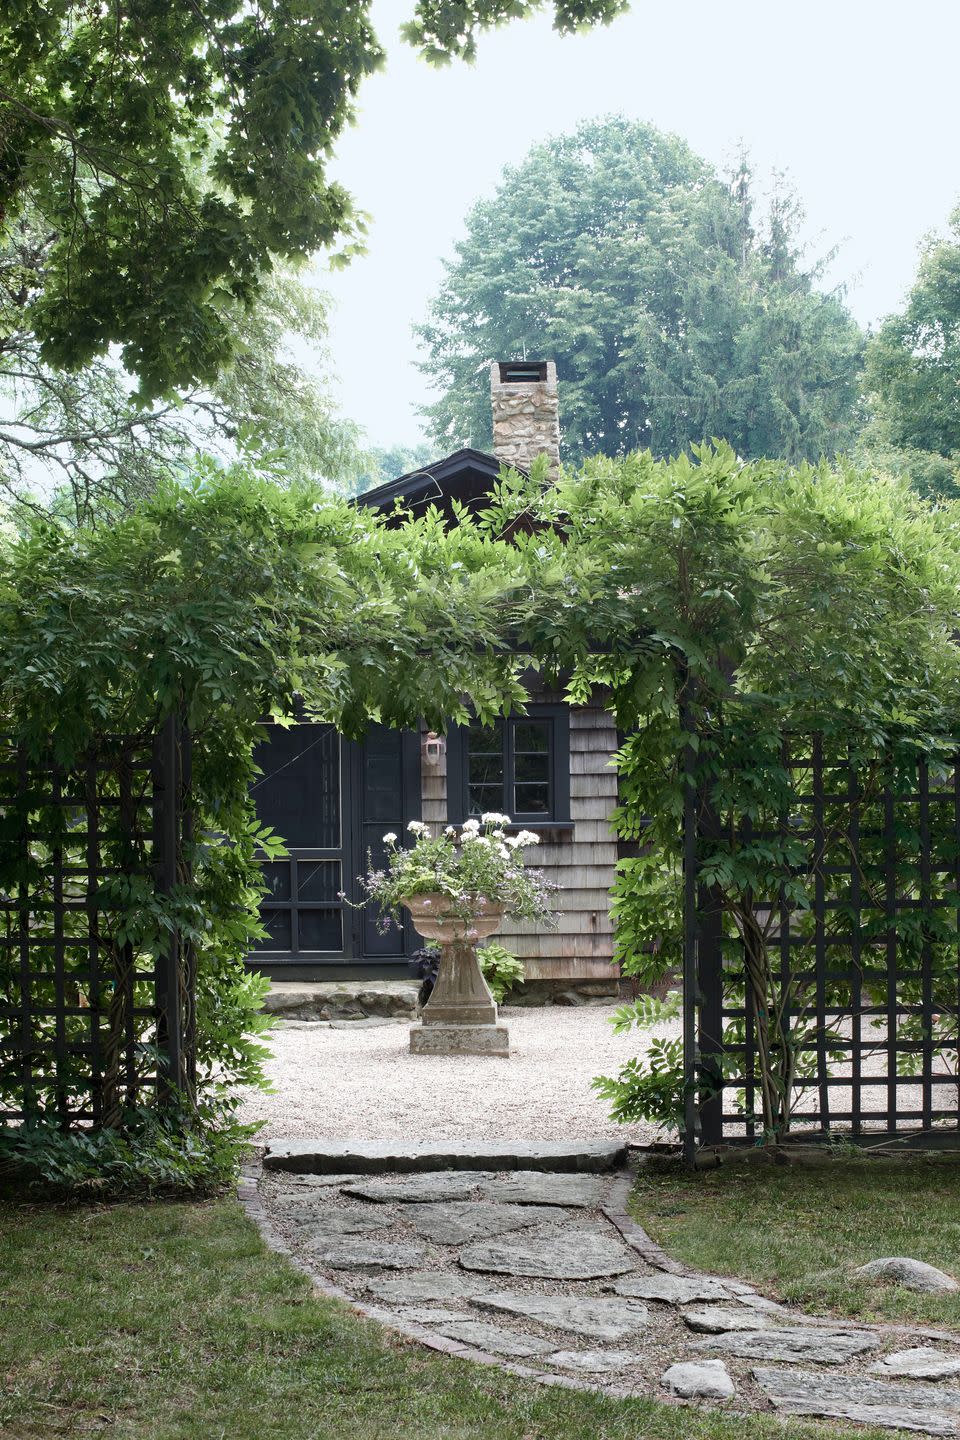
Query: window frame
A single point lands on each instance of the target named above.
(458, 777)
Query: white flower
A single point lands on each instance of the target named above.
(512, 840)
(416, 827)
(389, 838)
(476, 839)
(470, 827)
(503, 852)
(527, 837)
(492, 818)
(450, 830)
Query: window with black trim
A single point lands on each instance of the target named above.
(519, 766)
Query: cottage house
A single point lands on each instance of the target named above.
(333, 799)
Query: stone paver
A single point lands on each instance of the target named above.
(675, 1289)
(872, 1402)
(912, 1274)
(566, 1255)
(698, 1380)
(419, 1189)
(459, 1221)
(596, 1362)
(322, 1182)
(325, 1224)
(530, 1187)
(498, 1339)
(920, 1363)
(595, 1319)
(826, 1347)
(422, 1285)
(718, 1319)
(350, 1254)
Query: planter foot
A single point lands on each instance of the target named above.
(459, 1040)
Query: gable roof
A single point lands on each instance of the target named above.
(466, 476)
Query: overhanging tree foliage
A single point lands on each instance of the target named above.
(173, 152)
(673, 311)
(79, 442)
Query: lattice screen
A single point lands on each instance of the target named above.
(89, 1021)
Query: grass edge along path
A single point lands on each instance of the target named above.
(174, 1322)
(800, 1232)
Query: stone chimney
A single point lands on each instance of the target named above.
(526, 416)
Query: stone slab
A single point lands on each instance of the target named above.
(563, 1255)
(496, 1338)
(382, 1157)
(721, 1319)
(533, 1187)
(596, 1362)
(920, 1363)
(415, 1190)
(698, 1380)
(926, 1408)
(320, 1182)
(824, 1347)
(674, 1289)
(350, 1254)
(321, 1225)
(911, 1274)
(592, 1318)
(341, 999)
(455, 1222)
(423, 1285)
(491, 1040)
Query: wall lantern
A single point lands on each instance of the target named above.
(433, 748)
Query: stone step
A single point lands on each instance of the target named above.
(339, 1000)
(383, 1157)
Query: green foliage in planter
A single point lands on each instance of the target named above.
(469, 868)
(501, 970)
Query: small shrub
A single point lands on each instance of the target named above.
(171, 1152)
(649, 1088)
(501, 970)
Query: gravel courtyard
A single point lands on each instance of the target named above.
(362, 1083)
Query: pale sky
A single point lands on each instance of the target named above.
(855, 99)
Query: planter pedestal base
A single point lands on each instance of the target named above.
(459, 1039)
(460, 1018)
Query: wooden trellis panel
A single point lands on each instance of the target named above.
(89, 1021)
(866, 976)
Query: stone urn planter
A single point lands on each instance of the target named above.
(460, 1018)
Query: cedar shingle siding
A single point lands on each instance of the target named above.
(581, 859)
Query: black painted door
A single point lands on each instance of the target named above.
(331, 801)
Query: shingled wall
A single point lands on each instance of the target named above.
(581, 859)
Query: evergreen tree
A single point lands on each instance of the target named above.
(674, 314)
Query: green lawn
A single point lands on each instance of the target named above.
(171, 1322)
(801, 1231)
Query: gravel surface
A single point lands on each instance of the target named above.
(364, 1084)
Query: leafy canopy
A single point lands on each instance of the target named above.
(673, 313)
(230, 600)
(739, 603)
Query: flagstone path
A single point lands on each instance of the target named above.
(547, 1275)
